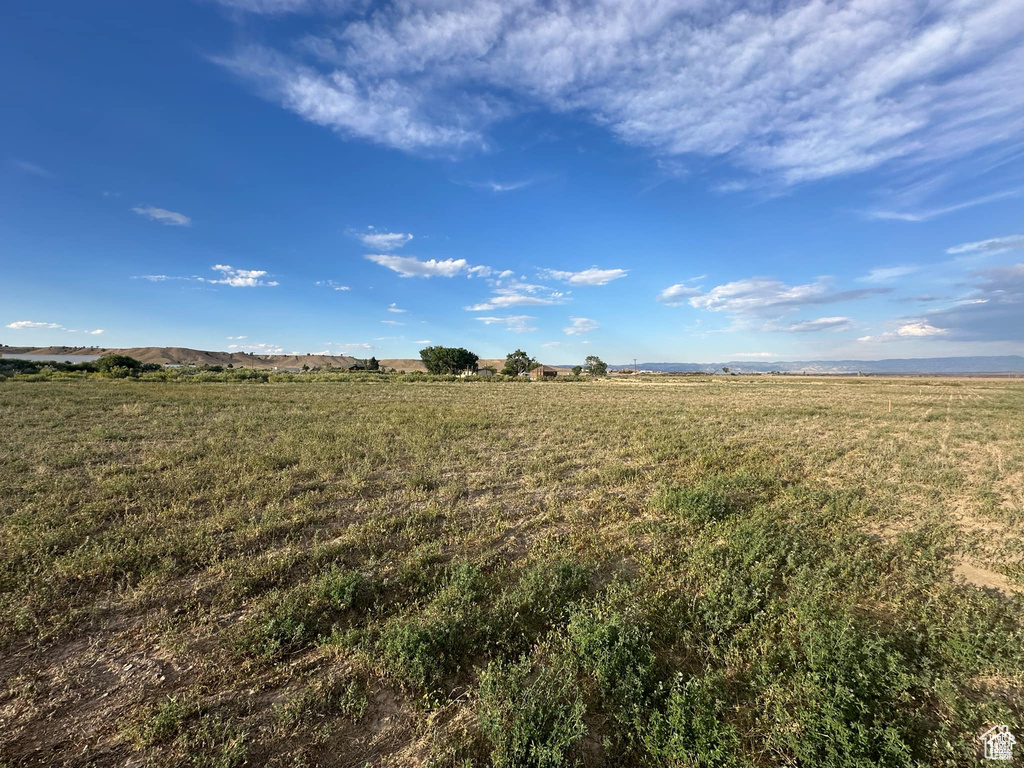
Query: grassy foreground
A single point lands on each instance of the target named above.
(735, 571)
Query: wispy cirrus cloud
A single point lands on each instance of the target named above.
(932, 213)
(796, 92)
(31, 168)
(821, 324)
(887, 274)
(497, 186)
(164, 216)
(333, 285)
(761, 296)
(592, 276)
(992, 245)
(514, 323)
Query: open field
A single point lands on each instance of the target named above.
(728, 571)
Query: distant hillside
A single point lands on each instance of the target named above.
(998, 364)
(186, 356)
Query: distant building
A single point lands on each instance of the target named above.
(485, 373)
(543, 372)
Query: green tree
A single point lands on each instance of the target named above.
(448, 359)
(109, 363)
(725, 370)
(372, 364)
(595, 366)
(517, 363)
(577, 370)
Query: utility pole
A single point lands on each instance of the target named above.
(634, 366)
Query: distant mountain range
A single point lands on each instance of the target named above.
(998, 364)
(186, 356)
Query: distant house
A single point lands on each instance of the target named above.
(485, 373)
(543, 372)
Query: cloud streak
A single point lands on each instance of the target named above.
(164, 216)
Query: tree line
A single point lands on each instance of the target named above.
(455, 360)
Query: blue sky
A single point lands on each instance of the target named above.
(693, 181)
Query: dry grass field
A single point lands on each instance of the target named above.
(730, 571)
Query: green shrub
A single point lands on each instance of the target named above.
(531, 718)
(690, 730)
(293, 618)
(616, 654)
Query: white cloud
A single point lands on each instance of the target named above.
(677, 294)
(422, 341)
(388, 111)
(592, 276)
(515, 323)
(22, 325)
(992, 245)
(925, 215)
(797, 91)
(753, 354)
(31, 325)
(384, 241)
(332, 285)
(885, 274)
(511, 292)
(238, 278)
(391, 322)
(164, 216)
(236, 338)
(908, 330)
(919, 329)
(554, 344)
(992, 311)
(354, 345)
(822, 324)
(262, 348)
(394, 308)
(410, 266)
(580, 325)
(765, 296)
(512, 300)
(499, 186)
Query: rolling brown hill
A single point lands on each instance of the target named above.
(187, 356)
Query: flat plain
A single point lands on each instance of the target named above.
(755, 571)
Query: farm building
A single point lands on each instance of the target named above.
(543, 372)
